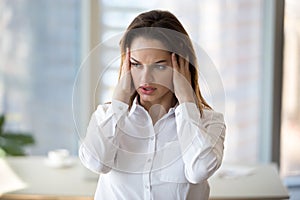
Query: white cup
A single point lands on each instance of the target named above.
(58, 156)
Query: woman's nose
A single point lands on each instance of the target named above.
(147, 75)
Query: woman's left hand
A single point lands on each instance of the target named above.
(182, 80)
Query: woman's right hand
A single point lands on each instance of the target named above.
(125, 87)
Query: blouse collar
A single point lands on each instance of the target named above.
(136, 104)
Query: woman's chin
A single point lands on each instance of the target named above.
(146, 98)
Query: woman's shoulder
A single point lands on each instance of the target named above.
(112, 107)
(210, 115)
(102, 108)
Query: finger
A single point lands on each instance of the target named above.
(127, 60)
(182, 64)
(184, 68)
(187, 70)
(187, 63)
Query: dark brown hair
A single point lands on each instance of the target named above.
(165, 27)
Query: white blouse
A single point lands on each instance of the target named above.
(171, 159)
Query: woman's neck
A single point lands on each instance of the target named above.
(157, 110)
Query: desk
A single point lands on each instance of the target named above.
(73, 183)
(262, 182)
(44, 182)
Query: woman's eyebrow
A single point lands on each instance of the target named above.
(160, 61)
(134, 60)
(157, 62)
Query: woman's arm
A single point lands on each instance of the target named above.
(201, 140)
(98, 148)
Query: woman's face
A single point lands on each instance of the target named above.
(151, 70)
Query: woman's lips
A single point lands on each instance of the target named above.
(147, 89)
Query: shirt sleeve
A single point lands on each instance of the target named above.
(201, 141)
(98, 149)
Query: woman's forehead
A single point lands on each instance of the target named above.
(142, 43)
(150, 56)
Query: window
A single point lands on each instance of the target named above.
(290, 125)
(41, 45)
(39, 53)
(230, 33)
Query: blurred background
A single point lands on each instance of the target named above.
(48, 89)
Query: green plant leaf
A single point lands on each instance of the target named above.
(12, 143)
(2, 121)
(11, 147)
(20, 139)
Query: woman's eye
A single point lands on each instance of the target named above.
(135, 65)
(160, 67)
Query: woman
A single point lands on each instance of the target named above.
(158, 138)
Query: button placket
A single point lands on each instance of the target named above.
(146, 182)
(148, 167)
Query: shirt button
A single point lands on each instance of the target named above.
(149, 160)
(147, 186)
(152, 138)
(120, 108)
